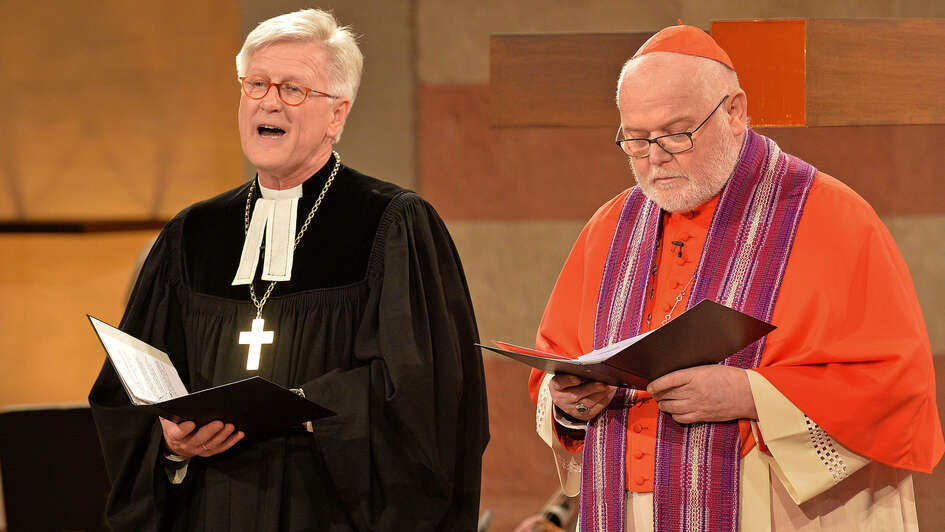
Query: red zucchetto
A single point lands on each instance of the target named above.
(683, 39)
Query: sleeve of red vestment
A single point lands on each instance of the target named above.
(851, 350)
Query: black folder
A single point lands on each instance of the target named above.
(707, 333)
(254, 405)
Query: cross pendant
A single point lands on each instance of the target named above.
(255, 337)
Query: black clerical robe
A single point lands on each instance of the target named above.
(376, 324)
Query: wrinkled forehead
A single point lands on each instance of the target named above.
(663, 87)
(666, 77)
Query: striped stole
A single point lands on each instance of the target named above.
(742, 264)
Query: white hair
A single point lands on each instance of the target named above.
(345, 62)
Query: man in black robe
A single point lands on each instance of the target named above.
(373, 321)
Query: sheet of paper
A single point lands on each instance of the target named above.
(606, 352)
(147, 373)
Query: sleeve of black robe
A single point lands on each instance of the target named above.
(405, 451)
(132, 440)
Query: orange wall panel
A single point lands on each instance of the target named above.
(117, 109)
(769, 56)
(48, 351)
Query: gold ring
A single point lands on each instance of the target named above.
(204, 447)
(580, 408)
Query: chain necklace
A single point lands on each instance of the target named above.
(260, 303)
(679, 299)
(257, 336)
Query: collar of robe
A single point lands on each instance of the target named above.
(274, 218)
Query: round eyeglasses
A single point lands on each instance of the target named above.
(673, 143)
(257, 87)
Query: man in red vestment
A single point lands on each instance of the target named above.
(838, 404)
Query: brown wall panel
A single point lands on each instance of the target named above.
(890, 166)
(558, 80)
(875, 71)
(471, 171)
(852, 75)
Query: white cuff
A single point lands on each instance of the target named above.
(562, 419)
(177, 473)
(806, 459)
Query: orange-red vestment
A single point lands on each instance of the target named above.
(851, 349)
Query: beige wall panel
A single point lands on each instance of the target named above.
(921, 240)
(453, 36)
(511, 268)
(50, 282)
(379, 137)
(930, 489)
(121, 110)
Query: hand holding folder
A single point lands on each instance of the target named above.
(707, 333)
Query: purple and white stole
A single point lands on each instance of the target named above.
(742, 265)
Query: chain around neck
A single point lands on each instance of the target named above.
(679, 299)
(260, 303)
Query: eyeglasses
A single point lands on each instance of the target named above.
(673, 143)
(257, 87)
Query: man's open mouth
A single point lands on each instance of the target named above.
(270, 131)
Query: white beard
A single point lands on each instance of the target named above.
(717, 167)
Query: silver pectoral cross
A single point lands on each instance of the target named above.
(255, 337)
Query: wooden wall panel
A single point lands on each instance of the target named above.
(558, 80)
(855, 72)
(875, 71)
(117, 109)
(887, 165)
(471, 171)
(50, 282)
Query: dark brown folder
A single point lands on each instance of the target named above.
(707, 333)
(254, 405)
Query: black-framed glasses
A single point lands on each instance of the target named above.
(673, 143)
(291, 93)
